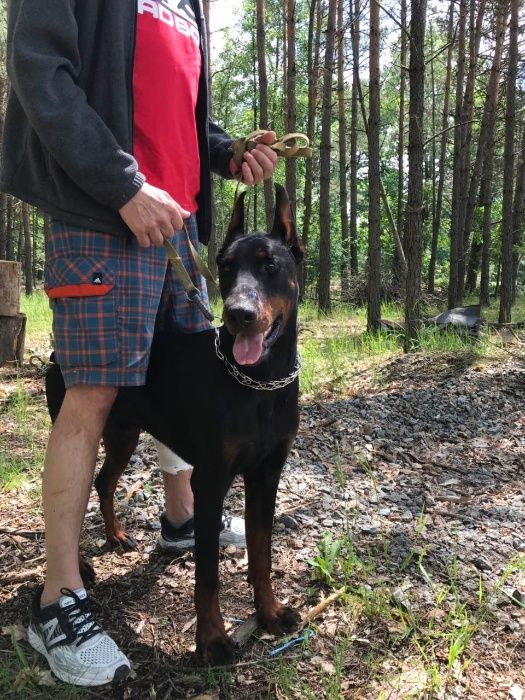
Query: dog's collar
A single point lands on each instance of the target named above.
(247, 381)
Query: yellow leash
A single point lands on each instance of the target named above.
(295, 145)
(191, 290)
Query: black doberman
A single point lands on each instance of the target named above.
(228, 405)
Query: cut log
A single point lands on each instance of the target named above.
(9, 288)
(12, 339)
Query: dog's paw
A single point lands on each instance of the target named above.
(87, 572)
(281, 621)
(218, 651)
(123, 540)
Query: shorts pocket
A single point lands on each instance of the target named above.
(82, 293)
(82, 276)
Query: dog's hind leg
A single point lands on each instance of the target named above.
(119, 443)
(55, 390)
(261, 491)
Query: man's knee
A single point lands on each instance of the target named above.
(169, 462)
(94, 401)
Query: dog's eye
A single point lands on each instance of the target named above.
(271, 268)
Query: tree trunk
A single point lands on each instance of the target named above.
(9, 229)
(414, 249)
(486, 200)
(466, 138)
(263, 101)
(436, 220)
(343, 190)
(374, 176)
(518, 218)
(291, 99)
(28, 249)
(9, 288)
(508, 170)
(455, 217)
(212, 243)
(486, 128)
(325, 148)
(397, 268)
(355, 9)
(3, 232)
(314, 43)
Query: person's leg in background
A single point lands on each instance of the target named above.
(177, 314)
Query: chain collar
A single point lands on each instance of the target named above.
(245, 380)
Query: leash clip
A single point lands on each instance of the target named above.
(194, 296)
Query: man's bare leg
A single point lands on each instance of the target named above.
(178, 496)
(68, 476)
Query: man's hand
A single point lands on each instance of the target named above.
(153, 215)
(259, 164)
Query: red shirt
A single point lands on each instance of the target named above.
(165, 84)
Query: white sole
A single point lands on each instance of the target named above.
(118, 672)
(185, 545)
(176, 546)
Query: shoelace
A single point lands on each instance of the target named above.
(81, 617)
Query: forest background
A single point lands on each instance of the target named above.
(416, 115)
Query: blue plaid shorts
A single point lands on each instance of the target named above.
(107, 293)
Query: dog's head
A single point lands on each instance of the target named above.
(258, 281)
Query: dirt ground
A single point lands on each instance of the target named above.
(416, 471)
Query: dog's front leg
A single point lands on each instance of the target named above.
(261, 491)
(213, 644)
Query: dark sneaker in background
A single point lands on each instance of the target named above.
(77, 649)
(180, 539)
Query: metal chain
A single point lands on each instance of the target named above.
(254, 383)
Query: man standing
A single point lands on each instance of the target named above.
(107, 130)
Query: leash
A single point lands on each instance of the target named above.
(192, 293)
(247, 381)
(294, 145)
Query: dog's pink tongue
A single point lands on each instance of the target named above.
(247, 349)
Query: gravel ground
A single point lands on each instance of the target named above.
(420, 467)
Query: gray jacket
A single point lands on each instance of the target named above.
(68, 134)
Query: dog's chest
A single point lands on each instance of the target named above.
(257, 429)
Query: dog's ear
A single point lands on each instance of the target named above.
(283, 225)
(236, 227)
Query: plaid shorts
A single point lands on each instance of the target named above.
(107, 293)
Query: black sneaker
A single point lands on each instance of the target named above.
(77, 649)
(180, 539)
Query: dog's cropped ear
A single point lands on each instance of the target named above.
(236, 227)
(283, 225)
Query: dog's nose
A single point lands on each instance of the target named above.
(241, 316)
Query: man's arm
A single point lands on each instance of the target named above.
(43, 65)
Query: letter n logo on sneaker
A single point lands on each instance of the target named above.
(52, 633)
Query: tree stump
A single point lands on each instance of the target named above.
(12, 338)
(9, 288)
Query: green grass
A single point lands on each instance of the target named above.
(20, 463)
(39, 316)
(23, 678)
(14, 472)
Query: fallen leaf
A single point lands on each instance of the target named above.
(17, 632)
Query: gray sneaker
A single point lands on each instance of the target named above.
(77, 650)
(180, 539)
